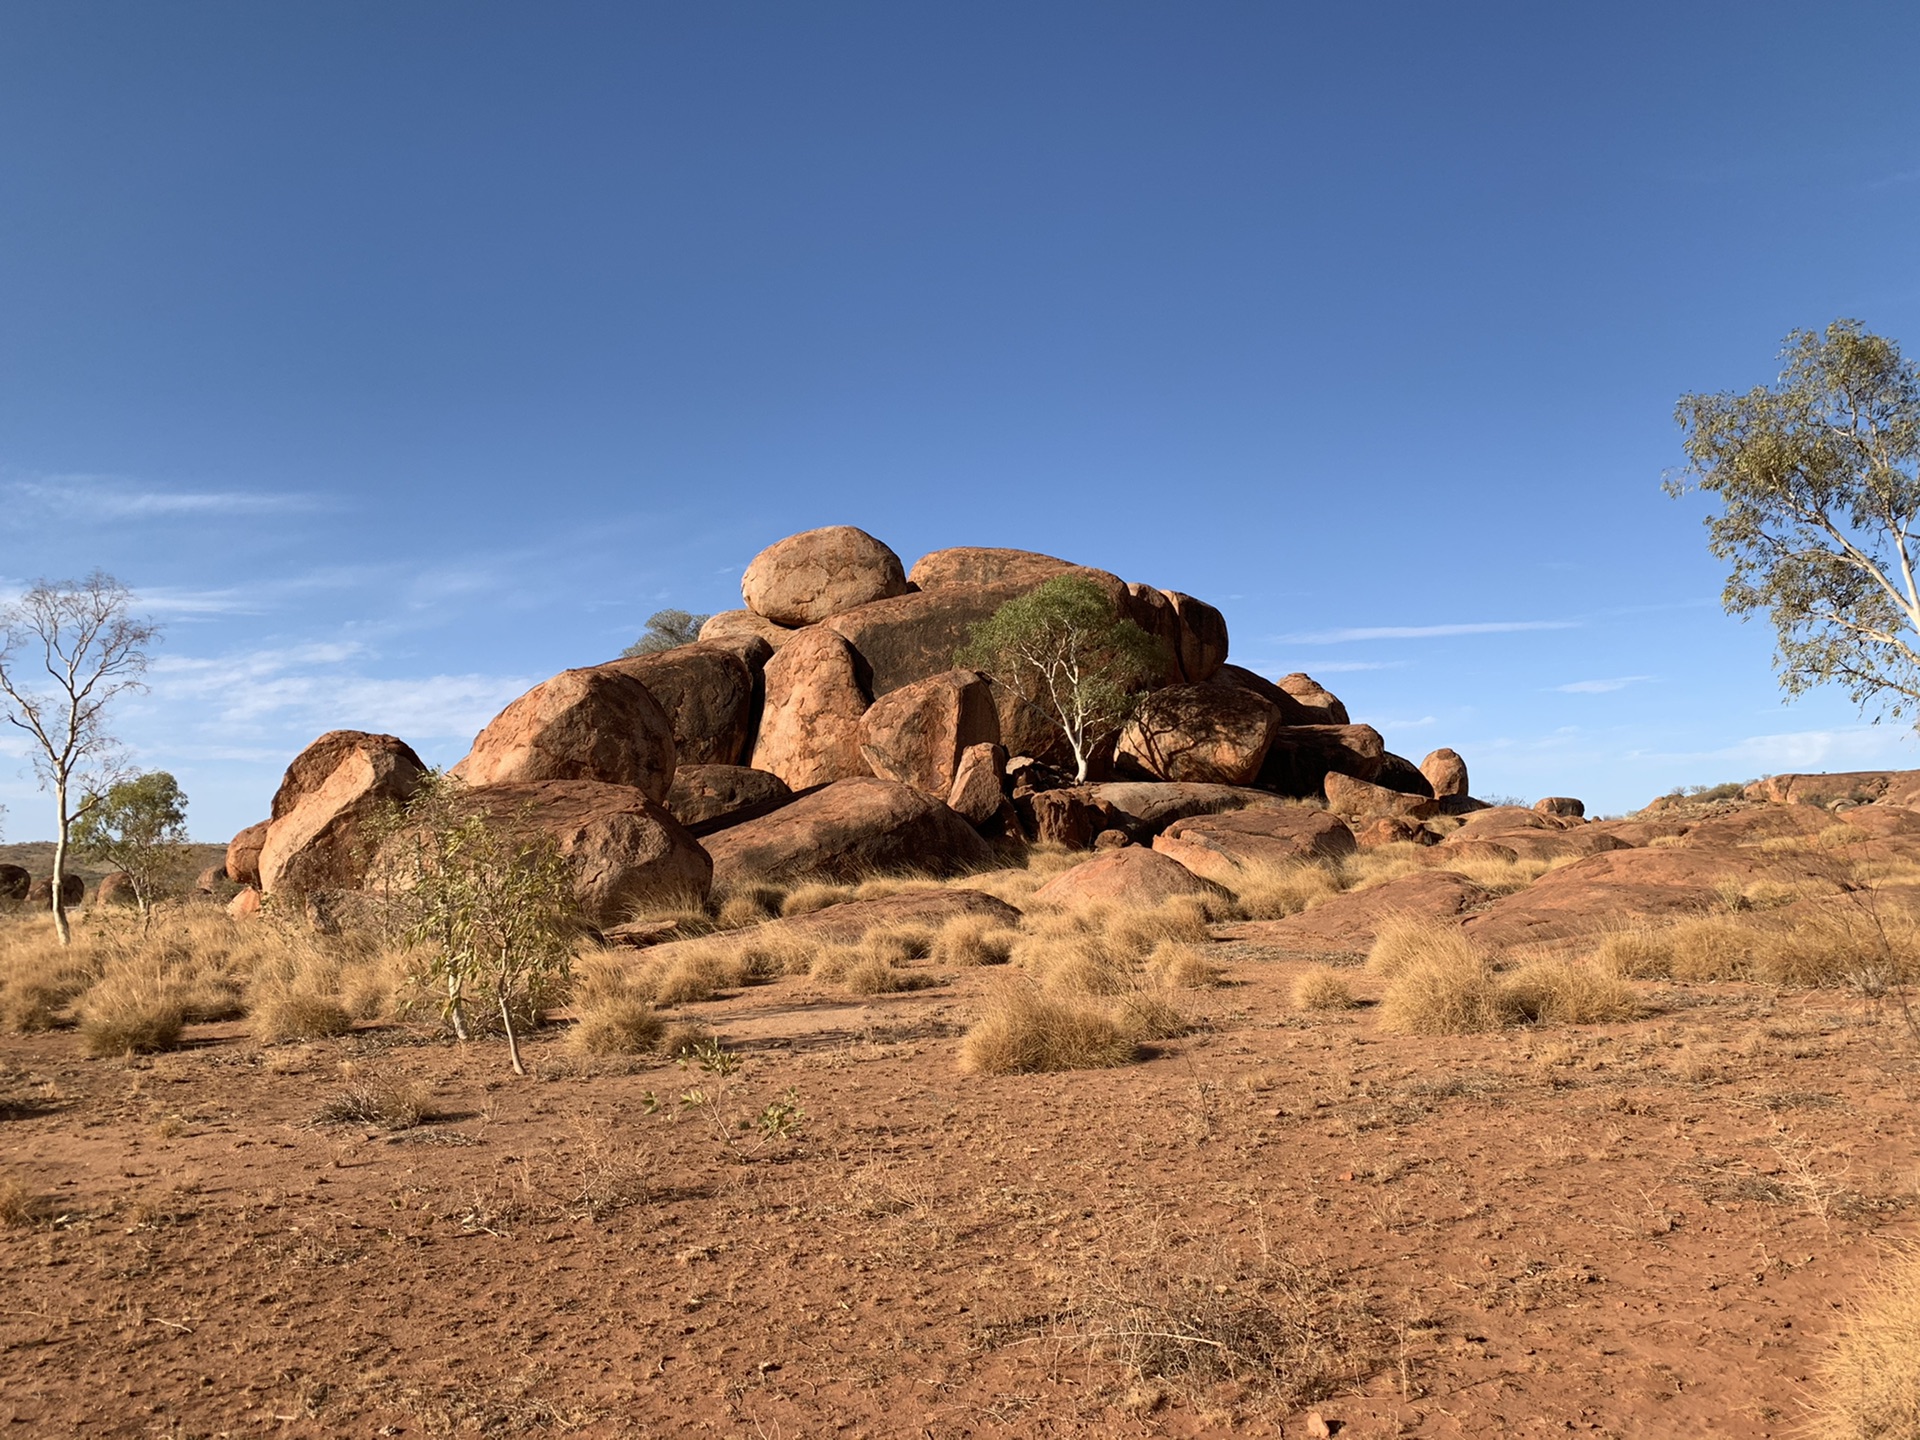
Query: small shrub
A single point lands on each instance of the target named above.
(973, 940)
(871, 974)
(16, 1204)
(1148, 1015)
(1555, 992)
(695, 974)
(1871, 1377)
(1273, 892)
(898, 944)
(131, 1013)
(748, 905)
(385, 1104)
(1439, 986)
(1024, 1031)
(1323, 988)
(684, 1038)
(1406, 940)
(283, 1015)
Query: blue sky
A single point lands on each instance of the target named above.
(400, 356)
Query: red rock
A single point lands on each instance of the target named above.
(1390, 830)
(1461, 852)
(1220, 847)
(1153, 612)
(1498, 819)
(707, 694)
(932, 908)
(1027, 729)
(810, 728)
(1059, 817)
(1446, 772)
(1111, 840)
(1399, 773)
(706, 797)
(592, 724)
(1353, 799)
(322, 842)
(979, 784)
(1638, 832)
(1316, 698)
(213, 881)
(624, 849)
(917, 734)
(15, 882)
(243, 854)
(846, 830)
(752, 637)
(1300, 757)
(1146, 807)
(1564, 806)
(1202, 637)
(1900, 787)
(805, 578)
(1206, 734)
(910, 638)
(966, 566)
(40, 892)
(1348, 924)
(313, 766)
(1886, 821)
(245, 905)
(1238, 677)
(115, 888)
(1133, 876)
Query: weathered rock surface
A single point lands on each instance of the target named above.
(313, 766)
(1316, 699)
(810, 726)
(592, 724)
(979, 784)
(1202, 637)
(245, 905)
(1202, 734)
(40, 892)
(1348, 924)
(1025, 729)
(1133, 876)
(1446, 773)
(1562, 805)
(1898, 787)
(1059, 817)
(1392, 830)
(1884, 820)
(1300, 757)
(243, 854)
(15, 882)
(808, 577)
(707, 694)
(846, 830)
(1399, 773)
(917, 734)
(705, 797)
(324, 841)
(963, 566)
(1220, 847)
(114, 888)
(623, 848)
(852, 919)
(752, 637)
(909, 638)
(1144, 808)
(1359, 800)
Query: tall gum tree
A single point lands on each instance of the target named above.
(68, 650)
(1818, 481)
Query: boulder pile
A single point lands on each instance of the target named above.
(825, 731)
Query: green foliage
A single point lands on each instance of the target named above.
(1066, 649)
(139, 826)
(666, 630)
(1818, 477)
(491, 909)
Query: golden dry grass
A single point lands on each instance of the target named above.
(1405, 940)
(281, 1014)
(971, 940)
(1323, 988)
(616, 1024)
(1870, 1379)
(1849, 940)
(1182, 966)
(134, 1010)
(1023, 1030)
(16, 1204)
(1273, 892)
(805, 899)
(1560, 992)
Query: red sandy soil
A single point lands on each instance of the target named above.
(1636, 1229)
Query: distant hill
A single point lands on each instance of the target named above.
(36, 857)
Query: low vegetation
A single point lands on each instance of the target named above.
(1871, 1377)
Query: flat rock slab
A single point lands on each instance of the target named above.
(1347, 924)
(1217, 847)
(932, 908)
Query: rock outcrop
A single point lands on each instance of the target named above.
(1446, 773)
(1321, 704)
(705, 797)
(978, 791)
(848, 830)
(918, 733)
(115, 888)
(1222, 846)
(1203, 734)
(324, 841)
(243, 854)
(1300, 757)
(706, 692)
(810, 726)
(1359, 800)
(596, 724)
(40, 892)
(808, 577)
(752, 637)
(15, 882)
(1134, 876)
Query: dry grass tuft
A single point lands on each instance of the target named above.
(871, 974)
(1323, 988)
(806, 899)
(616, 1024)
(974, 940)
(132, 1012)
(1149, 1015)
(1406, 940)
(1871, 1377)
(1501, 877)
(1181, 966)
(1025, 1031)
(1273, 892)
(692, 974)
(682, 1039)
(1850, 941)
(1558, 992)
(1137, 933)
(898, 944)
(17, 1207)
(384, 1103)
(283, 1014)
(1439, 984)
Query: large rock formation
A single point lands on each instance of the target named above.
(15, 881)
(324, 841)
(810, 726)
(978, 791)
(243, 854)
(594, 724)
(1201, 637)
(966, 566)
(1300, 757)
(805, 578)
(706, 692)
(917, 734)
(1446, 772)
(1206, 734)
(847, 830)
(1320, 704)
(752, 637)
(1219, 847)
(912, 637)
(1358, 800)
(1133, 876)
(40, 892)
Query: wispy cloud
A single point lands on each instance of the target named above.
(1426, 632)
(109, 498)
(1601, 687)
(1420, 724)
(1895, 180)
(1865, 745)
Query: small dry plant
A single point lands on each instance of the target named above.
(1323, 988)
(1870, 1380)
(380, 1101)
(1025, 1030)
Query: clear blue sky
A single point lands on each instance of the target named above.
(402, 355)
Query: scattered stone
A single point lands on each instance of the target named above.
(115, 888)
(1111, 840)
(1059, 817)
(1134, 876)
(1392, 830)
(808, 577)
(15, 882)
(245, 905)
(40, 892)
(1563, 805)
(847, 830)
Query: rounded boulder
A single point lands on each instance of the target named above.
(808, 577)
(593, 724)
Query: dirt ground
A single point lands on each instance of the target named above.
(1634, 1229)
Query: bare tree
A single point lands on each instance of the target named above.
(91, 648)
